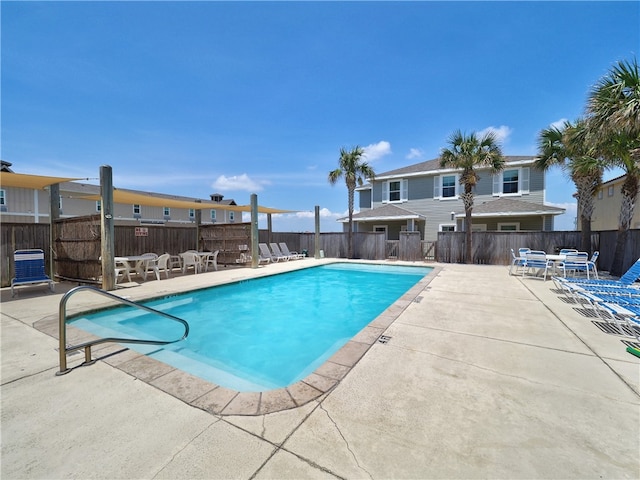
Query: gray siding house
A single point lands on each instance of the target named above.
(426, 198)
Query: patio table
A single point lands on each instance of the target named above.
(136, 263)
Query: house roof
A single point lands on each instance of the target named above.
(509, 207)
(432, 166)
(384, 213)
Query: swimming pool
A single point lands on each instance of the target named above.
(264, 333)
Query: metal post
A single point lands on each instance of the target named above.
(317, 237)
(107, 230)
(255, 260)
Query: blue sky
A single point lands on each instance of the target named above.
(194, 98)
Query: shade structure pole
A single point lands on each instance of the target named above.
(255, 260)
(106, 228)
(317, 236)
(54, 214)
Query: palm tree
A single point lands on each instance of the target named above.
(355, 171)
(566, 148)
(467, 153)
(613, 110)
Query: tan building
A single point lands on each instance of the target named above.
(32, 205)
(607, 203)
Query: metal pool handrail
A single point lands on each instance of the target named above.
(62, 313)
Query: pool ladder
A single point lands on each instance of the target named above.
(62, 314)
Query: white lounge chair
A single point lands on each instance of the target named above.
(292, 255)
(278, 253)
(266, 253)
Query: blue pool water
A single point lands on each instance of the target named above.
(263, 333)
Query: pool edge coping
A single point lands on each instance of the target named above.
(219, 400)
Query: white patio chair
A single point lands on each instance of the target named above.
(574, 262)
(163, 264)
(518, 262)
(211, 259)
(190, 259)
(537, 260)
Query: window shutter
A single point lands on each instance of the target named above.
(436, 187)
(385, 192)
(404, 190)
(524, 182)
(497, 182)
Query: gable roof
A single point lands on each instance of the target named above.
(384, 213)
(509, 207)
(432, 166)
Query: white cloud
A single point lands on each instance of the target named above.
(414, 153)
(559, 123)
(501, 133)
(376, 151)
(303, 221)
(238, 182)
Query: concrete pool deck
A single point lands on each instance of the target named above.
(485, 375)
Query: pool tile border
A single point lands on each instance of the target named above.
(219, 400)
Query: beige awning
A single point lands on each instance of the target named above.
(36, 182)
(135, 198)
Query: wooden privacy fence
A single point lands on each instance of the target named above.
(494, 248)
(77, 244)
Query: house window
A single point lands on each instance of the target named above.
(98, 206)
(610, 191)
(447, 228)
(445, 186)
(512, 181)
(509, 227)
(395, 191)
(232, 216)
(381, 229)
(192, 214)
(137, 211)
(478, 227)
(600, 194)
(213, 215)
(3, 199)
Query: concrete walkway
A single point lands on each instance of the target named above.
(486, 375)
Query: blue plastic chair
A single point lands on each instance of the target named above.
(29, 269)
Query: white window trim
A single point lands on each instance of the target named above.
(503, 224)
(192, 213)
(382, 228)
(524, 176)
(610, 191)
(232, 216)
(437, 187)
(404, 190)
(98, 206)
(212, 215)
(138, 208)
(454, 225)
(3, 197)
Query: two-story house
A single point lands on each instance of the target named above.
(425, 197)
(607, 204)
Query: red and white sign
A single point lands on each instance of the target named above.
(142, 232)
